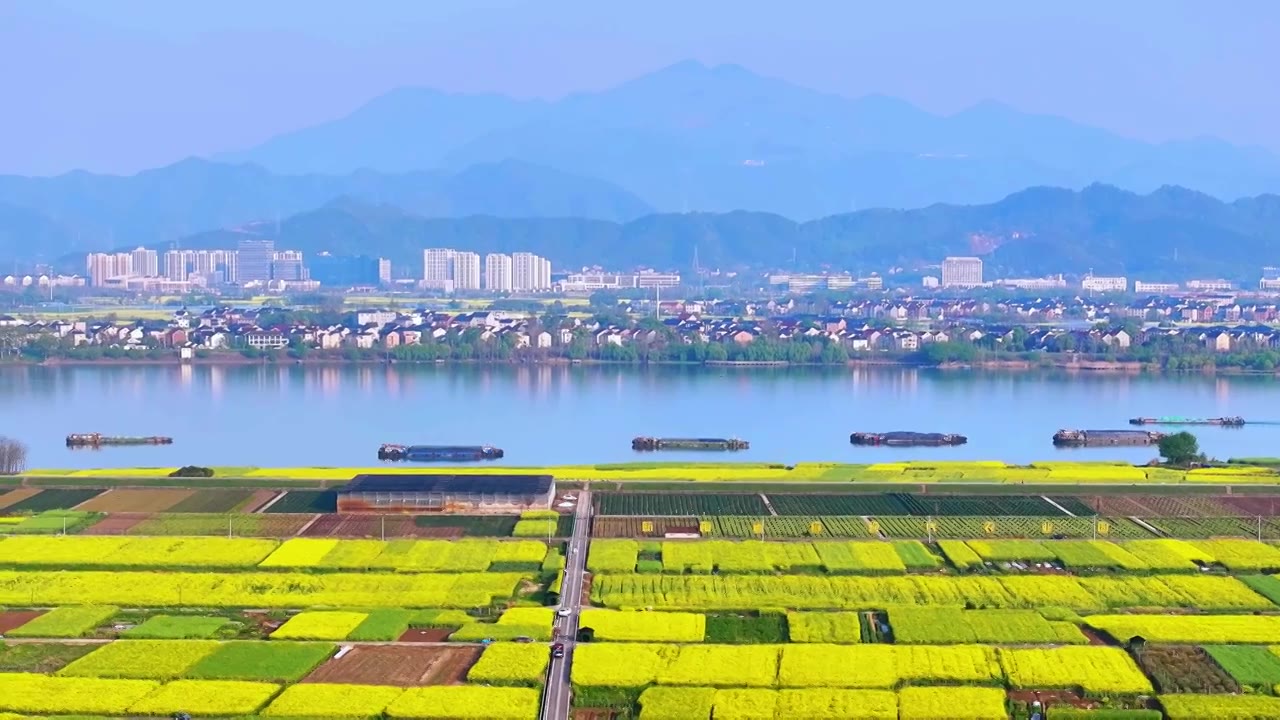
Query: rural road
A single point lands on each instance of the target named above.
(558, 693)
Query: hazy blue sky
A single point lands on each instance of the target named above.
(120, 85)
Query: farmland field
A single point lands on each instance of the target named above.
(9, 498)
(680, 504)
(255, 589)
(51, 500)
(399, 666)
(131, 500)
(305, 501)
(216, 501)
(883, 504)
(363, 526)
(235, 524)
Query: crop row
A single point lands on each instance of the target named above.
(736, 592)
(256, 589)
(873, 557)
(1093, 669)
(30, 693)
(756, 556)
(922, 703)
(892, 526)
(910, 626)
(298, 553)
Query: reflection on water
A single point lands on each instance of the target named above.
(543, 414)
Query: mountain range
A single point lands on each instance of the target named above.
(1169, 234)
(716, 158)
(81, 212)
(722, 138)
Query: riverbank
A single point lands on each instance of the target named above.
(1045, 362)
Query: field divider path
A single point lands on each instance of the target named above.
(95, 497)
(768, 504)
(303, 530)
(1149, 527)
(271, 502)
(1049, 500)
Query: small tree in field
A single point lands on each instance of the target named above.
(1180, 448)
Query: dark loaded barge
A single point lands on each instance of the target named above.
(652, 443)
(1236, 421)
(439, 453)
(907, 439)
(93, 440)
(1102, 438)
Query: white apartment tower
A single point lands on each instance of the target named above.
(530, 273)
(497, 272)
(962, 272)
(437, 265)
(145, 262)
(466, 271)
(101, 267)
(180, 265)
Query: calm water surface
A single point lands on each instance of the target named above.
(292, 415)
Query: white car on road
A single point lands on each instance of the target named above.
(563, 612)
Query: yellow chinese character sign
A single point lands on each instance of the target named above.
(989, 527)
(815, 528)
(646, 526)
(758, 528)
(874, 527)
(1104, 527)
(1046, 528)
(704, 527)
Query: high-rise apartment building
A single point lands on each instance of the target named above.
(101, 267)
(437, 265)
(530, 273)
(177, 264)
(466, 271)
(384, 271)
(962, 272)
(145, 262)
(497, 272)
(287, 265)
(254, 260)
(214, 266)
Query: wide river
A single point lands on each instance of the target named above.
(542, 415)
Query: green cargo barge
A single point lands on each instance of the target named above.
(652, 443)
(93, 440)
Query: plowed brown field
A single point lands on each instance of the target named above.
(398, 665)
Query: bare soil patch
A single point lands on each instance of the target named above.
(116, 524)
(136, 500)
(398, 665)
(17, 618)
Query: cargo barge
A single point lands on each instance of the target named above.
(652, 443)
(907, 439)
(1100, 438)
(93, 440)
(438, 453)
(1235, 421)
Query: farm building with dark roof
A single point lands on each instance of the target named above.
(443, 493)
